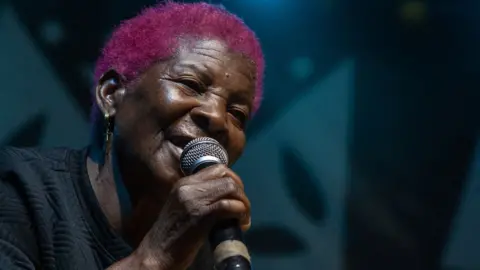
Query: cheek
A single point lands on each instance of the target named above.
(144, 114)
(137, 124)
(145, 110)
(236, 146)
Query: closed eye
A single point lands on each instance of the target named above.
(240, 117)
(193, 85)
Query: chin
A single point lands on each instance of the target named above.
(165, 171)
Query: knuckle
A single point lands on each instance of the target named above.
(231, 185)
(221, 170)
(236, 179)
(184, 181)
(195, 210)
(184, 194)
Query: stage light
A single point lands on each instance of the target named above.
(413, 12)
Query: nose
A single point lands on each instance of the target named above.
(211, 117)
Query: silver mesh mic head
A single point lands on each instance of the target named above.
(201, 151)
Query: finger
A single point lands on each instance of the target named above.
(231, 209)
(235, 177)
(246, 227)
(246, 220)
(227, 172)
(207, 193)
(222, 188)
(219, 189)
(229, 189)
(198, 197)
(215, 190)
(214, 172)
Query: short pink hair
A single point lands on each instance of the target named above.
(153, 35)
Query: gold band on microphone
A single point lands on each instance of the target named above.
(228, 249)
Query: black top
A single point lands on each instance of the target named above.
(50, 217)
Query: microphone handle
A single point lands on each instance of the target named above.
(229, 250)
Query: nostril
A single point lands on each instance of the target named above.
(212, 124)
(201, 121)
(210, 120)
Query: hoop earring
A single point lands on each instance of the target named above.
(109, 122)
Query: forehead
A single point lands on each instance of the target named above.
(229, 74)
(212, 48)
(217, 58)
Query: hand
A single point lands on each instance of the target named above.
(195, 204)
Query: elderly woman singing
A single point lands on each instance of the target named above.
(173, 73)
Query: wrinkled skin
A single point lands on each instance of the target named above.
(204, 90)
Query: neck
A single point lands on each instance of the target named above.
(144, 209)
(147, 199)
(103, 184)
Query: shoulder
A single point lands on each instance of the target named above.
(34, 169)
(31, 191)
(35, 181)
(14, 159)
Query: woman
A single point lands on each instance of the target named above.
(173, 73)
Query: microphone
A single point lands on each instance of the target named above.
(226, 238)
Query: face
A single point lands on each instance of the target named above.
(204, 90)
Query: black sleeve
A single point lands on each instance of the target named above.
(18, 244)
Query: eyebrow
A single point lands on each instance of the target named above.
(193, 66)
(202, 70)
(241, 96)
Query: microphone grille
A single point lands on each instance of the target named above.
(201, 147)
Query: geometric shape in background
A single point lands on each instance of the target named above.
(29, 134)
(301, 68)
(86, 71)
(463, 247)
(302, 186)
(31, 87)
(316, 125)
(274, 240)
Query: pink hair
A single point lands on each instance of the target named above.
(153, 35)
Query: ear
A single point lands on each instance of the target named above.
(109, 92)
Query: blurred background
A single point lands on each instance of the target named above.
(365, 153)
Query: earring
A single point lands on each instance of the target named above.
(108, 133)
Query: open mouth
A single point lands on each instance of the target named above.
(181, 141)
(178, 143)
(177, 151)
